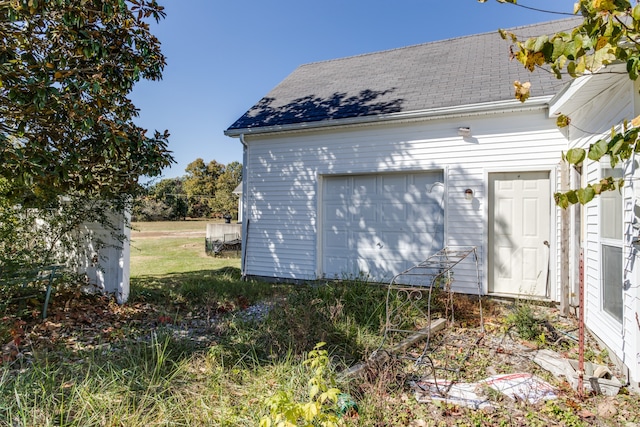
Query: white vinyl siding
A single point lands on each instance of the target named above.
(592, 122)
(283, 173)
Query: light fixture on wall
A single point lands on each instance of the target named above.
(464, 132)
(468, 194)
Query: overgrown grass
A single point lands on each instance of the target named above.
(155, 377)
(195, 351)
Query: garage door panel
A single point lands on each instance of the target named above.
(335, 211)
(337, 264)
(394, 185)
(394, 211)
(364, 186)
(393, 221)
(336, 239)
(336, 189)
(366, 214)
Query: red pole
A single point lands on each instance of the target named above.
(581, 327)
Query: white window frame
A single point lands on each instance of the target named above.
(612, 242)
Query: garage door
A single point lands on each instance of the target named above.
(380, 225)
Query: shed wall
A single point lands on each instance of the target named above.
(283, 172)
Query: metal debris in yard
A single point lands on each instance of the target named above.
(410, 296)
(410, 293)
(230, 242)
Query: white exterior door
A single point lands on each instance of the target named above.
(380, 224)
(519, 230)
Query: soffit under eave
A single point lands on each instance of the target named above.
(583, 89)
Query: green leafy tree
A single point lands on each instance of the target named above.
(608, 33)
(200, 186)
(66, 123)
(69, 148)
(225, 201)
(161, 201)
(171, 193)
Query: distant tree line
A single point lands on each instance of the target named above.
(206, 191)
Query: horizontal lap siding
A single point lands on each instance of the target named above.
(282, 176)
(592, 122)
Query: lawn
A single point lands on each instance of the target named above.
(196, 346)
(157, 252)
(171, 226)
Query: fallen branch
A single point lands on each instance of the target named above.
(380, 356)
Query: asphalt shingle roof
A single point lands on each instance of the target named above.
(448, 73)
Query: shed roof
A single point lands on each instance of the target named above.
(448, 73)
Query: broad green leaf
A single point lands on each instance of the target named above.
(603, 5)
(635, 12)
(581, 66)
(559, 46)
(310, 411)
(616, 144)
(578, 42)
(585, 195)
(540, 43)
(576, 156)
(597, 188)
(600, 57)
(561, 200)
(598, 149)
(632, 67)
(313, 391)
(572, 197)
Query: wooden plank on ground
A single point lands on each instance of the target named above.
(383, 356)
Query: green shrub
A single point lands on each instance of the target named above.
(524, 321)
(320, 407)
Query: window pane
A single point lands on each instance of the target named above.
(611, 209)
(612, 280)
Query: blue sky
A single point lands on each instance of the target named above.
(224, 55)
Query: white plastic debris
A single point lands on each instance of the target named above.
(597, 378)
(519, 386)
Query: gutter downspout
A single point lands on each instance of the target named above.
(245, 217)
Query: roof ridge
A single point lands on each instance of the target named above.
(449, 40)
